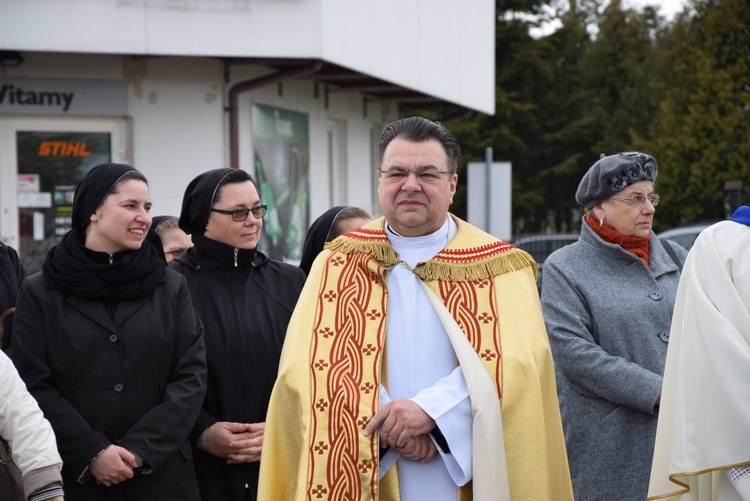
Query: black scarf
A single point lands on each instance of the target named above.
(88, 274)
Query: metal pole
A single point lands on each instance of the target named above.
(488, 189)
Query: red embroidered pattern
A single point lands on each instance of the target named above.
(472, 304)
(474, 254)
(368, 235)
(346, 358)
(349, 383)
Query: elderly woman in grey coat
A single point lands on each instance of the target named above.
(607, 302)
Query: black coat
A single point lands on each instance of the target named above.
(11, 276)
(136, 379)
(245, 311)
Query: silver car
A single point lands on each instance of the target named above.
(685, 235)
(541, 246)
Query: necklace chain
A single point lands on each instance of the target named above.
(407, 265)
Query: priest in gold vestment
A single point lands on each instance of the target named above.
(416, 364)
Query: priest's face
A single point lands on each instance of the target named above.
(415, 186)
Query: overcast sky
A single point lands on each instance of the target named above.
(667, 8)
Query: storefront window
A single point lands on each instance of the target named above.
(50, 166)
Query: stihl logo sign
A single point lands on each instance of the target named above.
(63, 149)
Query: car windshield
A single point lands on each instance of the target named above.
(685, 235)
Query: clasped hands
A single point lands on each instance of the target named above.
(237, 442)
(113, 465)
(405, 427)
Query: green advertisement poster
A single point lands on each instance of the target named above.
(281, 142)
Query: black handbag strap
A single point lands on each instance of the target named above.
(671, 253)
(3, 319)
(4, 452)
(11, 482)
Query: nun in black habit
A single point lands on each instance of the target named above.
(107, 341)
(12, 274)
(245, 300)
(170, 241)
(331, 224)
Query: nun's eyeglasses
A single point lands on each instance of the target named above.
(242, 214)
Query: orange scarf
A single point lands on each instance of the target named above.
(635, 245)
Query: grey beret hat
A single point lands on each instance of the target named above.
(610, 174)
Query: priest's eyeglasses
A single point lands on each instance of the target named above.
(242, 214)
(395, 175)
(639, 200)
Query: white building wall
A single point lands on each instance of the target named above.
(179, 126)
(362, 151)
(178, 123)
(164, 27)
(198, 140)
(301, 96)
(444, 48)
(172, 54)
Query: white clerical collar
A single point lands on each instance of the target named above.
(438, 239)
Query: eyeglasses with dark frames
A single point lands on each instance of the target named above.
(639, 200)
(428, 176)
(242, 214)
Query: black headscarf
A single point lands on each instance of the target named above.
(88, 274)
(317, 236)
(196, 204)
(154, 239)
(94, 188)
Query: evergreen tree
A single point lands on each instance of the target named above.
(678, 91)
(700, 134)
(612, 104)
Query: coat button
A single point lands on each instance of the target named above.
(656, 296)
(117, 438)
(113, 338)
(664, 336)
(119, 387)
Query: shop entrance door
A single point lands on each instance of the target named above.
(42, 160)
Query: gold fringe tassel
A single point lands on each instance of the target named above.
(381, 251)
(436, 269)
(506, 262)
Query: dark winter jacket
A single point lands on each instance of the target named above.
(135, 379)
(245, 301)
(11, 276)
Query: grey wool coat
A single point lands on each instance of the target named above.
(608, 317)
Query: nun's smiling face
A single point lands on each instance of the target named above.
(223, 228)
(121, 222)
